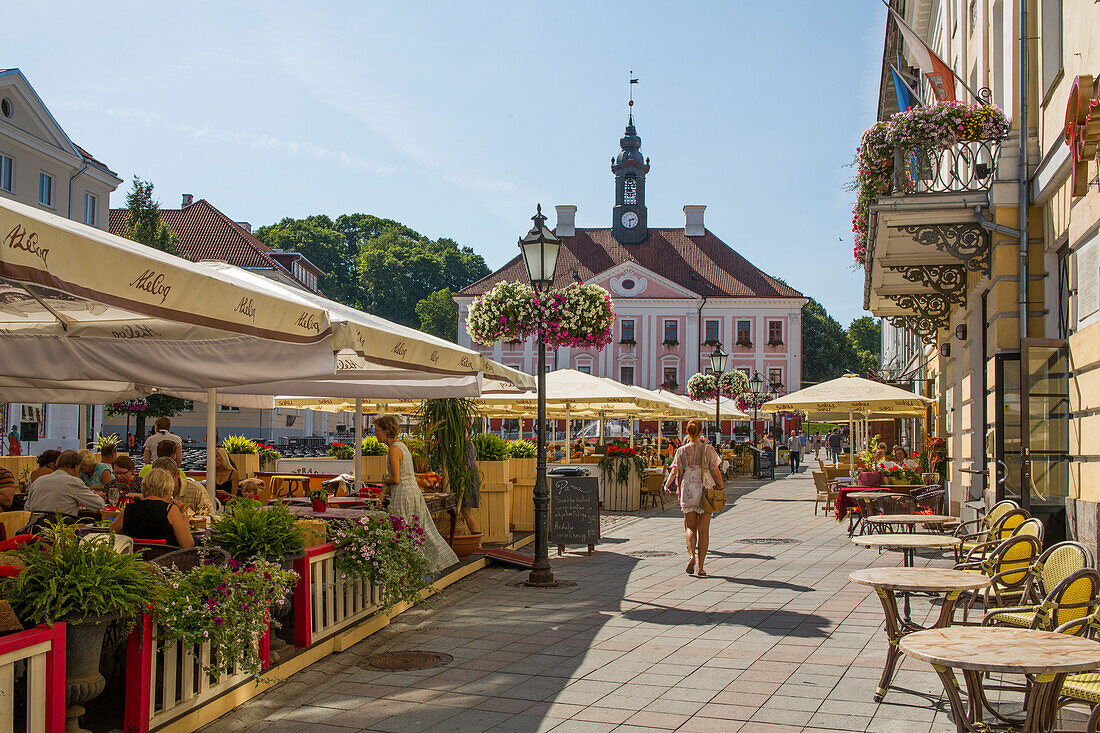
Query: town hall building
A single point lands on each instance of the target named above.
(678, 292)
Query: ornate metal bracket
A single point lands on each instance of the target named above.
(932, 306)
(947, 280)
(923, 327)
(967, 242)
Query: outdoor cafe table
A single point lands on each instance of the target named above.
(1044, 655)
(845, 503)
(908, 544)
(885, 581)
(909, 521)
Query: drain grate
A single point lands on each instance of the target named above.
(651, 553)
(767, 541)
(403, 661)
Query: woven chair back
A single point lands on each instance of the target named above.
(1030, 527)
(1072, 603)
(1002, 529)
(1012, 560)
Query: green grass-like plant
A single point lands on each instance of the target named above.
(522, 449)
(238, 444)
(248, 530)
(64, 580)
(372, 446)
(491, 447)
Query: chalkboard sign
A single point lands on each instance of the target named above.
(767, 464)
(575, 510)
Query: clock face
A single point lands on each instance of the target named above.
(630, 220)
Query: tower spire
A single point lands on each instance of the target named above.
(630, 104)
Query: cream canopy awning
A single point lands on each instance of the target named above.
(851, 394)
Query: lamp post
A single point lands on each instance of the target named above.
(756, 387)
(540, 256)
(718, 366)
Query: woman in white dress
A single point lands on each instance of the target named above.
(406, 498)
(692, 458)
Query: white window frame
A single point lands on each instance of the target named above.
(7, 167)
(90, 211)
(44, 177)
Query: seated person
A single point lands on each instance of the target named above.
(94, 473)
(126, 480)
(226, 477)
(62, 492)
(46, 465)
(559, 453)
(155, 516)
(7, 488)
(188, 494)
(166, 449)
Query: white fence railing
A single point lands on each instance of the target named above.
(325, 601)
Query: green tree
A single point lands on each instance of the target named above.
(438, 314)
(153, 406)
(866, 334)
(322, 243)
(145, 224)
(827, 352)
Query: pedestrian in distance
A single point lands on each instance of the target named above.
(794, 451)
(834, 441)
(696, 466)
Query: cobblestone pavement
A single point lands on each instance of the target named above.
(775, 639)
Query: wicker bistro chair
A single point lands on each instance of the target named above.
(826, 491)
(1007, 566)
(653, 490)
(983, 524)
(999, 529)
(1069, 607)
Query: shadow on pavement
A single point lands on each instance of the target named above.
(776, 622)
(758, 583)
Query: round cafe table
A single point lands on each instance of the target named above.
(887, 581)
(1044, 655)
(908, 543)
(908, 521)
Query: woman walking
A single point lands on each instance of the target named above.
(406, 497)
(693, 464)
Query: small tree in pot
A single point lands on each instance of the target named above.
(88, 586)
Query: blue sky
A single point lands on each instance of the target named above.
(456, 118)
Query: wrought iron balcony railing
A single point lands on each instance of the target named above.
(963, 167)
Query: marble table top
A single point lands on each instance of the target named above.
(911, 519)
(1002, 649)
(927, 580)
(906, 541)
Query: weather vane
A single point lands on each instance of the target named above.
(633, 81)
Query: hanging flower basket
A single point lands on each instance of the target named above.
(705, 386)
(581, 316)
(748, 401)
(932, 128)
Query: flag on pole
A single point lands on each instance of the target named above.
(938, 73)
(906, 97)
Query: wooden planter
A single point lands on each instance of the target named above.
(248, 464)
(494, 516)
(523, 469)
(373, 468)
(622, 497)
(523, 494)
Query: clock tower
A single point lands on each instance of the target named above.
(628, 223)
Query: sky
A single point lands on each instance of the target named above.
(457, 118)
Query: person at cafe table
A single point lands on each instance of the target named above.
(187, 494)
(62, 492)
(155, 516)
(126, 480)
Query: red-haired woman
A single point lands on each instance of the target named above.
(694, 464)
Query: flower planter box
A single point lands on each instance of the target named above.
(16, 464)
(622, 497)
(494, 516)
(493, 472)
(373, 468)
(313, 466)
(523, 506)
(523, 469)
(248, 464)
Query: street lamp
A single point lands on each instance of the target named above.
(540, 256)
(756, 386)
(718, 366)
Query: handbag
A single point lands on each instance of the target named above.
(713, 499)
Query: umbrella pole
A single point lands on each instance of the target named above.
(211, 442)
(632, 433)
(355, 470)
(568, 435)
(851, 444)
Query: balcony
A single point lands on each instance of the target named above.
(925, 236)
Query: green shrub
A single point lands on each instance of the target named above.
(69, 581)
(240, 445)
(372, 446)
(491, 447)
(248, 530)
(342, 451)
(522, 449)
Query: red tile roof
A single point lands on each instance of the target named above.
(705, 265)
(207, 234)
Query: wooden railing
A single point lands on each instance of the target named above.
(324, 601)
(166, 680)
(42, 651)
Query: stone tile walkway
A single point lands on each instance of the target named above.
(775, 639)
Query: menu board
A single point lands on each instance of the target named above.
(575, 510)
(767, 464)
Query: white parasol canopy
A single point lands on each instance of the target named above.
(853, 394)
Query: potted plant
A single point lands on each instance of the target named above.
(319, 499)
(446, 430)
(669, 384)
(86, 585)
(267, 456)
(341, 451)
(385, 550)
(620, 464)
(744, 342)
(244, 452)
(374, 465)
(775, 342)
(102, 441)
(248, 530)
(628, 342)
(227, 606)
(670, 343)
